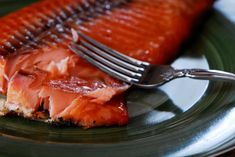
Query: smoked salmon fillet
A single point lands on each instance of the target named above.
(43, 79)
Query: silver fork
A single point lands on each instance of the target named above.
(135, 72)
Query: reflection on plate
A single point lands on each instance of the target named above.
(183, 117)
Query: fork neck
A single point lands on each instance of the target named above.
(204, 74)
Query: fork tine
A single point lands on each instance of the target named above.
(113, 52)
(109, 64)
(111, 58)
(100, 65)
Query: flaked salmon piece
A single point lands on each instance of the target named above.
(39, 86)
(57, 100)
(28, 61)
(65, 99)
(98, 90)
(110, 113)
(36, 66)
(82, 110)
(55, 59)
(62, 93)
(66, 77)
(23, 92)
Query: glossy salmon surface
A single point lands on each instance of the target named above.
(39, 74)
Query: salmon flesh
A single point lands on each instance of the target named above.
(43, 79)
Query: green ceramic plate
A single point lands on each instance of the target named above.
(184, 117)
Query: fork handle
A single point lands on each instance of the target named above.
(203, 74)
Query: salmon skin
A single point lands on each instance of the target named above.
(39, 74)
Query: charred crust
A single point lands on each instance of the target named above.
(61, 123)
(41, 106)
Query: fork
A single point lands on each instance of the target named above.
(136, 72)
